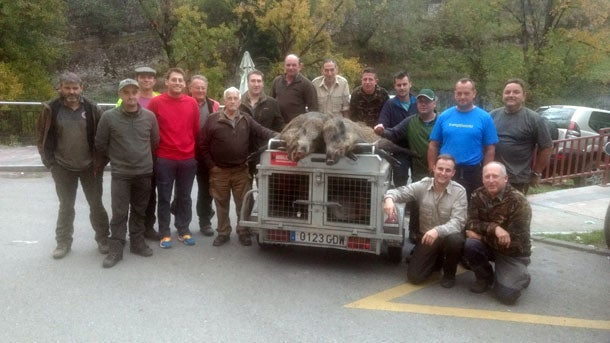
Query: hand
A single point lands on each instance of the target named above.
(473, 235)
(378, 129)
(389, 209)
(429, 237)
(503, 237)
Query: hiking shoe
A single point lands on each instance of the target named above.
(207, 230)
(115, 254)
(480, 286)
(245, 240)
(151, 234)
(166, 242)
(187, 239)
(103, 247)
(447, 282)
(220, 240)
(61, 251)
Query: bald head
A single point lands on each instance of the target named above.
(292, 66)
(494, 178)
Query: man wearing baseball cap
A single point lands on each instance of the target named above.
(127, 135)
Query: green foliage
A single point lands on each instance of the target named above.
(30, 42)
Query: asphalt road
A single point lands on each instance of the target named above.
(245, 294)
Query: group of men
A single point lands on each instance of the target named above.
(478, 163)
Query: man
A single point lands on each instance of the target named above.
(332, 90)
(467, 133)
(66, 132)
(294, 92)
(147, 79)
(178, 118)
(498, 229)
(520, 131)
(128, 135)
(198, 89)
(224, 145)
(368, 99)
(262, 108)
(443, 206)
(413, 133)
(402, 105)
(392, 113)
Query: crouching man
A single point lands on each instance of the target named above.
(127, 135)
(498, 230)
(440, 239)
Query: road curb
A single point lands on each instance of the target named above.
(570, 245)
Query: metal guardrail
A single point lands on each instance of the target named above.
(580, 159)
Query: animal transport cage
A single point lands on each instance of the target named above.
(310, 203)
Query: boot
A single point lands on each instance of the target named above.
(115, 253)
(139, 247)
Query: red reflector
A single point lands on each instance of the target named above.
(278, 235)
(280, 158)
(359, 243)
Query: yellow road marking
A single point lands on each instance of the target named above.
(382, 301)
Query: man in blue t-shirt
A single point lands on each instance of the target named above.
(467, 133)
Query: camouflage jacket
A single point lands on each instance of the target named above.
(510, 210)
(366, 108)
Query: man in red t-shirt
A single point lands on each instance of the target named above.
(178, 118)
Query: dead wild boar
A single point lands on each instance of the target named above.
(303, 135)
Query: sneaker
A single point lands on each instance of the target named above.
(187, 239)
(479, 286)
(166, 242)
(447, 282)
(220, 240)
(207, 230)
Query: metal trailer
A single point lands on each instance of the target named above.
(313, 204)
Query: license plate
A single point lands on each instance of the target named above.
(318, 238)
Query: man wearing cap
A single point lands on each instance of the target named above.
(66, 133)
(520, 131)
(128, 135)
(413, 133)
(178, 118)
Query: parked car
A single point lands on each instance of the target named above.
(575, 121)
(579, 155)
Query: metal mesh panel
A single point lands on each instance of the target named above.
(284, 190)
(353, 196)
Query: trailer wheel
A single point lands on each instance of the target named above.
(394, 254)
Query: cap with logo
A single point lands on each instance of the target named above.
(428, 93)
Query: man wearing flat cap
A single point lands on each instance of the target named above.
(127, 135)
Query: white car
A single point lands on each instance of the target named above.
(575, 121)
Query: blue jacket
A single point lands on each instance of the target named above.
(393, 113)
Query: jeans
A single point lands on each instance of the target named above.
(223, 183)
(470, 177)
(130, 195)
(66, 184)
(182, 173)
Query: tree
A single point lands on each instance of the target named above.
(301, 27)
(30, 44)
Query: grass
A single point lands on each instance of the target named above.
(548, 187)
(595, 238)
